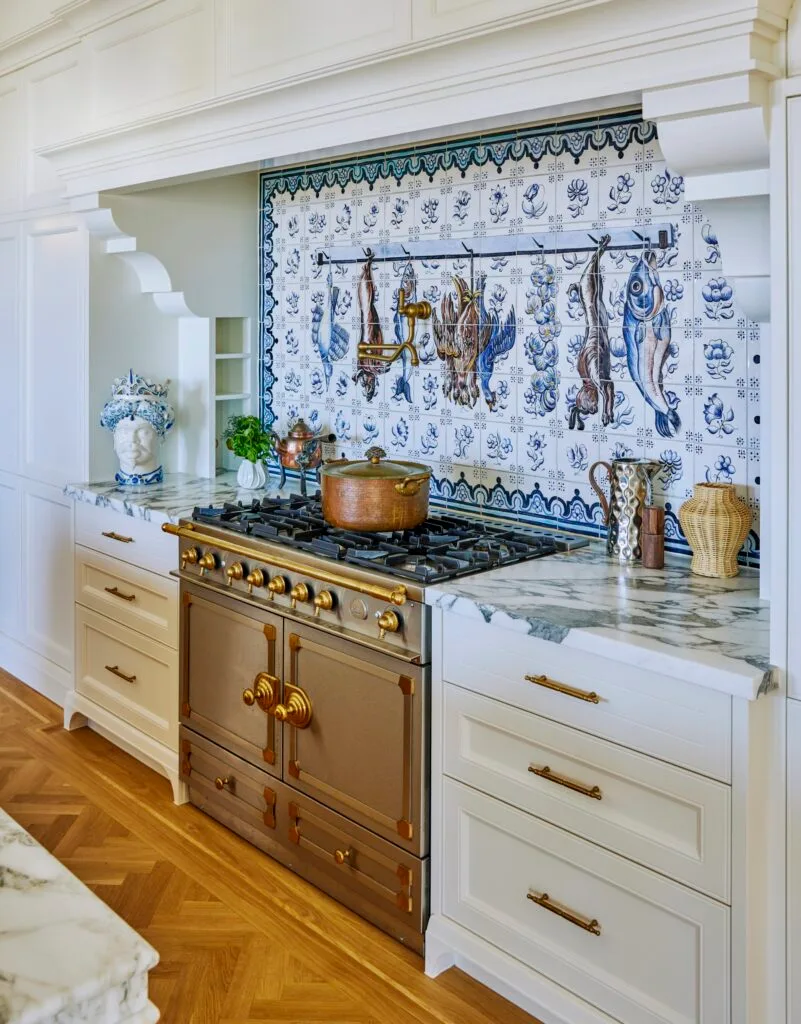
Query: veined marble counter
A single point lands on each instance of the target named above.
(175, 497)
(707, 631)
(65, 957)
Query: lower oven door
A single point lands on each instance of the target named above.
(231, 675)
(363, 750)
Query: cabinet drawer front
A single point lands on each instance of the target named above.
(663, 817)
(135, 597)
(678, 722)
(128, 674)
(133, 540)
(662, 953)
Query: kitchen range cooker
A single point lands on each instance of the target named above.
(305, 666)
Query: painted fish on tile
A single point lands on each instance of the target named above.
(330, 339)
(594, 362)
(647, 337)
(470, 340)
(370, 333)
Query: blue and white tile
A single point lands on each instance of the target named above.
(706, 247)
(719, 464)
(721, 414)
(576, 198)
(715, 305)
(620, 193)
(721, 357)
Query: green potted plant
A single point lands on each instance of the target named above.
(247, 438)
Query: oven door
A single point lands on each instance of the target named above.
(230, 675)
(364, 750)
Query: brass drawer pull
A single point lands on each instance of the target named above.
(224, 782)
(343, 856)
(577, 787)
(569, 691)
(118, 593)
(115, 671)
(542, 899)
(117, 536)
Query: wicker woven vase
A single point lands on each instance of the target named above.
(715, 522)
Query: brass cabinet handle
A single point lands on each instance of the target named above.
(117, 536)
(118, 593)
(569, 691)
(264, 692)
(223, 782)
(115, 671)
(577, 787)
(542, 899)
(343, 856)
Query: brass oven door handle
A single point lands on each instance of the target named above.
(569, 691)
(115, 671)
(542, 899)
(118, 593)
(117, 536)
(264, 692)
(296, 709)
(545, 773)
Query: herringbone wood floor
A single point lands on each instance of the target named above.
(241, 939)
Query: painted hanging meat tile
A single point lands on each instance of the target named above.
(593, 361)
(370, 333)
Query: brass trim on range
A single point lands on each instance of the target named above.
(395, 595)
(542, 899)
(186, 709)
(545, 773)
(269, 805)
(569, 691)
(186, 754)
(405, 829)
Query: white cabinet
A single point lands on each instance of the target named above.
(794, 859)
(126, 637)
(600, 844)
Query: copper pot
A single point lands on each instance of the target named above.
(374, 495)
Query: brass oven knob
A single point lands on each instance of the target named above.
(324, 601)
(300, 592)
(189, 557)
(224, 782)
(207, 561)
(254, 579)
(234, 572)
(277, 585)
(388, 622)
(297, 710)
(343, 856)
(264, 691)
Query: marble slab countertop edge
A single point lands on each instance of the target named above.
(745, 675)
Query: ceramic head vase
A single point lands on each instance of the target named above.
(715, 522)
(139, 416)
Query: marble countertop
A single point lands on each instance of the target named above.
(65, 957)
(175, 497)
(708, 631)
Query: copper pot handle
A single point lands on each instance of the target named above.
(598, 490)
(409, 486)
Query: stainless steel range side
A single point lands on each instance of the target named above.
(305, 664)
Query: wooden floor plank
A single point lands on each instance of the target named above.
(241, 939)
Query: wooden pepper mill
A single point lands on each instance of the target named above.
(652, 539)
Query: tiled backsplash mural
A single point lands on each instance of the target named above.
(580, 311)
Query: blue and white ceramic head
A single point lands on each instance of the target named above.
(139, 416)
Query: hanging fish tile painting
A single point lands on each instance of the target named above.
(509, 309)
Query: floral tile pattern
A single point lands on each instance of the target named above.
(556, 338)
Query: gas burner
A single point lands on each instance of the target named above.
(441, 548)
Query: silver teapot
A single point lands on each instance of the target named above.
(630, 487)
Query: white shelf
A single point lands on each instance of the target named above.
(232, 398)
(232, 355)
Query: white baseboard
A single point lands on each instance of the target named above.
(31, 668)
(448, 944)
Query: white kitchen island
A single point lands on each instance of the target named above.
(65, 957)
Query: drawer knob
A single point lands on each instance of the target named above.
(115, 671)
(264, 691)
(234, 572)
(569, 691)
(343, 856)
(542, 899)
(254, 579)
(118, 593)
(224, 782)
(545, 773)
(191, 556)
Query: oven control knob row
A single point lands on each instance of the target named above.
(388, 622)
(207, 562)
(255, 578)
(323, 602)
(277, 585)
(234, 572)
(300, 592)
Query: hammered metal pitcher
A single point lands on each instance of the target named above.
(630, 485)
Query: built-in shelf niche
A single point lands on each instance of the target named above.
(233, 380)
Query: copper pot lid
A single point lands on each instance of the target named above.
(376, 466)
